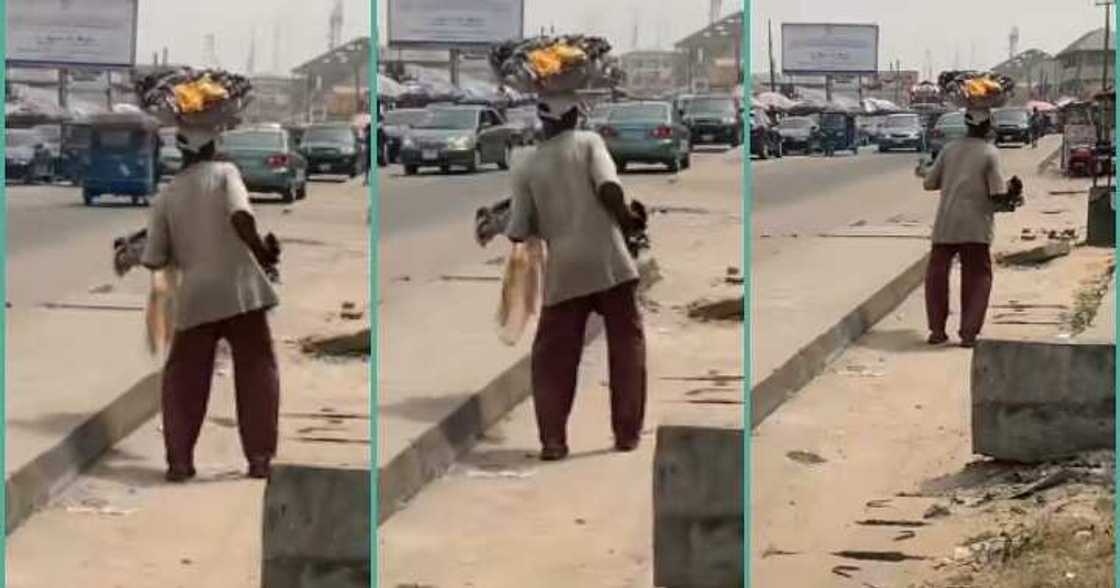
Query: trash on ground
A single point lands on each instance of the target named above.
(453, 278)
(806, 457)
(890, 523)
(845, 571)
(775, 552)
(728, 309)
(351, 345)
(102, 289)
(884, 556)
(937, 511)
(1036, 255)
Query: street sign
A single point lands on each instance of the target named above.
(439, 24)
(71, 33)
(822, 49)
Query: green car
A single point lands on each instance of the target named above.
(647, 132)
(268, 161)
(948, 128)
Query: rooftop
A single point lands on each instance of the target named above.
(1091, 41)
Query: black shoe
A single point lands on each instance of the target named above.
(627, 445)
(177, 474)
(554, 453)
(937, 338)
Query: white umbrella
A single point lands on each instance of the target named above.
(774, 100)
(387, 86)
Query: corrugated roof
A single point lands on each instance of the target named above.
(726, 26)
(1091, 41)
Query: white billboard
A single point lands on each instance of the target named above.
(71, 33)
(455, 23)
(830, 49)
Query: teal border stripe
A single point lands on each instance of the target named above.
(748, 288)
(4, 296)
(373, 83)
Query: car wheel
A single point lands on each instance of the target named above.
(288, 195)
(687, 164)
(764, 153)
(445, 169)
(621, 165)
(882, 149)
(476, 162)
(301, 193)
(674, 164)
(88, 197)
(410, 170)
(507, 155)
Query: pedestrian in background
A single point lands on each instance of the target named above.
(567, 192)
(1036, 127)
(967, 172)
(203, 226)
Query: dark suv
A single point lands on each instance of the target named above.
(714, 120)
(331, 149)
(1012, 125)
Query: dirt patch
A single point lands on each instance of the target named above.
(348, 345)
(1087, 300)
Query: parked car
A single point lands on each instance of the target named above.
(597, 117)
(268, 161)
(902, 131)
(525, 124)
(797, 133)
(766, 141)
(396, 125)
(949, 127)
(1011, 125)
(714, 120)
(458, 136)
(331, 149)
(647, 132)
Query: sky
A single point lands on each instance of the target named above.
(973, 33)
(181, 26)
(660, 22)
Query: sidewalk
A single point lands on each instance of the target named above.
(119, 524)
(892, 413)
(498, 499)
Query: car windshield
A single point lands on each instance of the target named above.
(710, 106)
(115, 138)
(254, 140)
(638, 113)
(599, 112)
(523, 115)
(833, 122)
(22, 138)
(1011, 116)
(902, 122)
(954, 119)
(796, 123)
(329, 135)
(451, 119)
(405, 118)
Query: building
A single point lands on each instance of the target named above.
(651, 73)
(1085, 64)
(1036, 73)
(713, 56)
(275, 98)
(335, 84)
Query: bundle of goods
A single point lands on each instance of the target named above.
(491, 221)
(129, 249)
(186, 97)
(555, 65)
(1012, 199)
(970, 89)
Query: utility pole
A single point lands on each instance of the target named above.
(64, 88)
(1107, 33)
(770, 42)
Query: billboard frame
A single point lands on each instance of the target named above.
(438, 45)
(53, 64)
(828, 72)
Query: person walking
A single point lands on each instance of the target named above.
(1036, 127)
(203, 227)
(968, 175)
(567, 193)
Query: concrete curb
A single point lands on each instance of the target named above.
(812, 359)
(32, 486)
(1045, 163)
(430, 455)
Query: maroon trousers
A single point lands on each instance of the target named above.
(186, 386)
(558, 348)
(976, 286)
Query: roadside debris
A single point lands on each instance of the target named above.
(728, 309)
(1036, 255)
(806, 457)
(937, 511)
(845, 571)
(102, 289)
(889, 523)
(351, 345)
(884, 556)
(1088, 299)
(351, 312)
(775, 552)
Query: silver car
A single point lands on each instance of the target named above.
(949, 127)
(458, 136)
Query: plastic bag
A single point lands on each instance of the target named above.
(521, 289)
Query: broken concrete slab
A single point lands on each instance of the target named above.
(316, 528)
(728, 309)
(1034, 401)
(1037, 255)
(698, 507)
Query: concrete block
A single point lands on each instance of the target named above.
(698, 507)
(1033, 401)
(316, 528)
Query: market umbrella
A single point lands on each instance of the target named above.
(774, 100)
(1040, 106)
